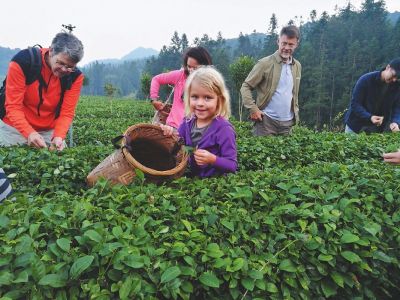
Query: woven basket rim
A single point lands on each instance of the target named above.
(134, 163)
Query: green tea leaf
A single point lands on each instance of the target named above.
(248, 283)
(170, 274)
(349, 238)
(382, 256)
(228, 225)
(126, 288)
(324, 257)
(4, 221)
(93, 235)
(134, 261)
(214, 251)
(256, 274)
(338, 278)
(209, 279)
(372, 228)
(351, 256)
(117, 231)
(53, 280)
(271, 287)
(80, 265)
(6, 278)
(22, 277)
(64, 244)
(287, 265)
(237, 264)
(187, 225)
(328, 289)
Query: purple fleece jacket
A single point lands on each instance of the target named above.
(218, 139)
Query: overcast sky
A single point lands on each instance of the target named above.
(113, 28)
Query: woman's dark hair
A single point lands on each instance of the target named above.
(198, 53)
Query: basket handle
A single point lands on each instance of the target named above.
(115, 141)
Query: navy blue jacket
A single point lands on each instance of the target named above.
(362, 105)
(5, 187)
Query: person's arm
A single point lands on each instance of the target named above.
(227, 161)
(392, 158)
(298, 79)
(395, 121)
(253, 79)
(161, 79)
(358, 96)
(67, 112)
(15, 92)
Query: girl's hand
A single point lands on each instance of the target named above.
(392, 158)
(203, 157)
(158, 105)
(168, 130)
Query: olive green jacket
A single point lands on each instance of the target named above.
(264, 78)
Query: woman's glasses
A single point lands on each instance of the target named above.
(65, 67)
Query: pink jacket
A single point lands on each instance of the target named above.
(176, 78)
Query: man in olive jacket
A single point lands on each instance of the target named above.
(276, 79)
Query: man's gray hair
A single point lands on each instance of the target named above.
(65, 42)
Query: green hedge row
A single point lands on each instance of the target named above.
(319, 231)
(310, 216)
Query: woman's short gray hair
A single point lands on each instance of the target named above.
(65, 42)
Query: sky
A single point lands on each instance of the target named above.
(113, 28)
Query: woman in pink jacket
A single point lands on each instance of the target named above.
(193, 58)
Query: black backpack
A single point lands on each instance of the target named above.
(30, 61)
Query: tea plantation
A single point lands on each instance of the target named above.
(310, 216)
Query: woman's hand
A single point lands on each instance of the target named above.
(36, 140)
(168, 130)
(158, 105)
(392, 158)
(57, 143)
(203, 157)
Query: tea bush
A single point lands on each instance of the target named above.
(310, 216)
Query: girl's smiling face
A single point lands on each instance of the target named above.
(203, 103)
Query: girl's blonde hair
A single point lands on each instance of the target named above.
(212, 80)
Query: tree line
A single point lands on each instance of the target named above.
(335, 50)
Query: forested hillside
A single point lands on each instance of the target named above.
(5, 55)
(334, 51)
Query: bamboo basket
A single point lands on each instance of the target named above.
(119, 167)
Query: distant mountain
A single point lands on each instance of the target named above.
(255, 37)
(5, 56)
(394, 17)
(138, 53)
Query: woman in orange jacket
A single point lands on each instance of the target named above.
(39, 113)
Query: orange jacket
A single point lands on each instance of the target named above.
(22, 101)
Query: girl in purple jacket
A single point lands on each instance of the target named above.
(193, 58)
(206, 127)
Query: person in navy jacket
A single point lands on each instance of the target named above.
(375, 102)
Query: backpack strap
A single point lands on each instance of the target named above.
(66, 84)
(3, 100)
(42, 84)
(30, 61)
